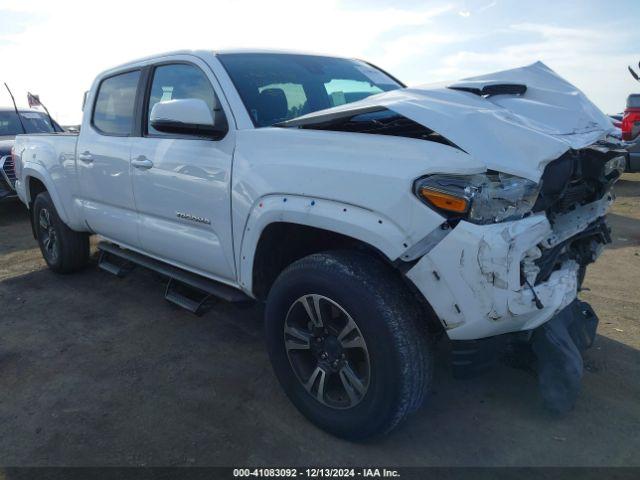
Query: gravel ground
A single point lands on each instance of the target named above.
(96, 370)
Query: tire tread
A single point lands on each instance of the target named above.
(74, 246)
(402, 314)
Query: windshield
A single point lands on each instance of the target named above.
(276, 87)
(34, 122)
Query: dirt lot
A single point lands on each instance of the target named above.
(95, 370)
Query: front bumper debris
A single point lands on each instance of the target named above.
(558, 346)
(487, 280)
(553, 350)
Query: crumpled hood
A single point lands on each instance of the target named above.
(517, 133)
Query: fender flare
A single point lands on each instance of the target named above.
(38, 172)
(350, 220)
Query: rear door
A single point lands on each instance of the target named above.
(181, 183)
(104, 148)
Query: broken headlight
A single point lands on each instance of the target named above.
(480, 198)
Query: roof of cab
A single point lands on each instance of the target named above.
(202, 53)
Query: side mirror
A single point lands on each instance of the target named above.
(187, 116)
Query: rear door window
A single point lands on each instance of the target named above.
(114, 109)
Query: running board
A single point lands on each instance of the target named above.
(202, 289)
(116, 266)
(189, 298)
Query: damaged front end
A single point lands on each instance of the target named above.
(575, 195)
(577, 179)
(516, 282)
(510, 256)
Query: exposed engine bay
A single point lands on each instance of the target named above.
(578, 178)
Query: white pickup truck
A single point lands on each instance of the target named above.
(370, 217)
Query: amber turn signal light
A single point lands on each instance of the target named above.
(444, 201)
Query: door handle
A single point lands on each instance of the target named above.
(142, 162)
(86, 156)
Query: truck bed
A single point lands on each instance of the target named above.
(50, 156)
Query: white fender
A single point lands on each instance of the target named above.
(36, 170)
(370, 227)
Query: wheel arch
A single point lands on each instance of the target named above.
(309, 225)
(273, 255)
(37, 180)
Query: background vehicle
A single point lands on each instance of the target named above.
(631, 130)
(33, 122)
(617, 119)
(368, 216)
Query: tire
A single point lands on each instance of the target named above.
(388, 350)
(63, 249)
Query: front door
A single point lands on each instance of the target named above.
(103, 153)
(181, 183)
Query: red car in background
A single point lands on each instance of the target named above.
(630, 129)
(631, 120)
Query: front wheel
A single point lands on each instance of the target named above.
(345, 341)
(63, 249)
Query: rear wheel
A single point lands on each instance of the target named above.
(63, 249)
(345, 341)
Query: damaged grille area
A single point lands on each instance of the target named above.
(582, 248)
(380, 122)
(578, 177)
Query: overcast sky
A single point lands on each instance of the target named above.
(55, 48)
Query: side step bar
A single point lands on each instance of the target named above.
(188, 290)
(187, 297)
(116, 266)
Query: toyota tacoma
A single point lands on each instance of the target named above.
(371, 218)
